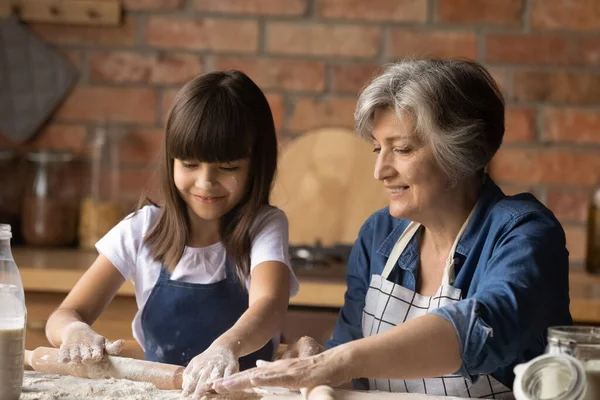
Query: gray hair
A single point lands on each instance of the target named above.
(456, 104)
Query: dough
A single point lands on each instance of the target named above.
(42, 386)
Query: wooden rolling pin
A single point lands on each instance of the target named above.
(163, 376)
(322, 392)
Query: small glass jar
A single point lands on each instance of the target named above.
(51, 203)
(100, 208)
(592, 263)
(10, 191)
(570, 369)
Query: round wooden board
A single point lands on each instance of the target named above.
(325, 184)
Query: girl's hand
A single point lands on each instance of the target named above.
(328, 368)
(304, 347)
(80, 344)
(214, 363)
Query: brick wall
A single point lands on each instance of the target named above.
(312, 56)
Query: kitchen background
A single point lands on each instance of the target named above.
(312, 56)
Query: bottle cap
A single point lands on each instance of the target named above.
(5, 231)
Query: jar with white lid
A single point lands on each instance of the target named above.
(570, 369)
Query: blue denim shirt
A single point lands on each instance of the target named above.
(511, 265)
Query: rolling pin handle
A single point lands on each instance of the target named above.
(27, 358)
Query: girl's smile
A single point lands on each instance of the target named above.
(208, 199)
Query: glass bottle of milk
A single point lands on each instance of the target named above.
(13, 315)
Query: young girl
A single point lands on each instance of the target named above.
(210, 265)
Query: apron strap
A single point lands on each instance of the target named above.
(399, 247)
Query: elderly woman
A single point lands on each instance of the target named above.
(454, 283)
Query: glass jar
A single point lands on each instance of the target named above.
(51, 203)
(10, 191)
(592, 264)
(100, 206)
(570, 369)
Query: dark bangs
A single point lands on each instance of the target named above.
(209, 125)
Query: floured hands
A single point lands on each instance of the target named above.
(212, 364)
(80, 344)
(326, 368)
(304, 347)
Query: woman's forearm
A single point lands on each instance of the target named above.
(256, 326)
(423, 347)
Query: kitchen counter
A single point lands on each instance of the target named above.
(57, 270)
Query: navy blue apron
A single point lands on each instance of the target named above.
(180, 319)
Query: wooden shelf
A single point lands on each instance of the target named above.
(83, 12)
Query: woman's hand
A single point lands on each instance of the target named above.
(330, 368)
(80, 344)
(214, 363)
(304, 347)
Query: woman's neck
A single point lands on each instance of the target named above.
(443, 224)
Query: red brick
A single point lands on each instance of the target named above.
(375, 10)
(141, 145)
(352, 77)
(123, 34)
(581, 15)
(271, 73)
(551, 166)
(588, 50)
(130, 67)
(576, 242)
(323, 39)
(430, 43)
(254, 7)
(203, 34)
(277, 109)
(60, 136)
(275, 102)
(167, 102)
(572, 125)
(529, 49)
(520, 125)
(310, 113)
(484, 12)
(569, 204)
(500, 75)
(574, 88)
(137, 5)
(89, 103)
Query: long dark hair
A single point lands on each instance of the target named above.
(217, 117)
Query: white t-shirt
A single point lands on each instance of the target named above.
(123, 246)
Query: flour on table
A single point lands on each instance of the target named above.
(42, 386)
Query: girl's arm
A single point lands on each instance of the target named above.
(83, 305)
(269, 297)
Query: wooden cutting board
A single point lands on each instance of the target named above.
(326, 187)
